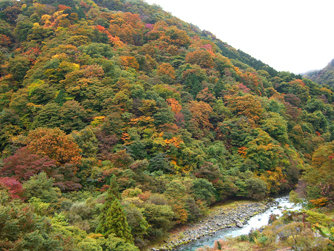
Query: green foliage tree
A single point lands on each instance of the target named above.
(22, 229)
(40, 186)
(276, 126)
(48, 116)
(73, 116)
(137, 222)
(18, 67)
(97, 50)
(119, 244)
(160, 219)
(203, 190)
(264, 151)
(112, 218)
(256, 188)
(23, 28)
(87, 142)
(319, 175)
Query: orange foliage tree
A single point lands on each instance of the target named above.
(166, 69)
(176, 36)
(129, 61)
(55, 144)
(252, 81)
(200, 123)
(200, 57)
(247, 105)
(174, 105)
(127, 26)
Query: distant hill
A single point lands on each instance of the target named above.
(324, 76)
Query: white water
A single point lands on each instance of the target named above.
(253, 223)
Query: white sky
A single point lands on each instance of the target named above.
(289, 35)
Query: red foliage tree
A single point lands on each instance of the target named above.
(14, 187)
(23, 164)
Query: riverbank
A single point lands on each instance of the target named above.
(220, 217)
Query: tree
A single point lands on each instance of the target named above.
(129, 61)
(200, 57)
(127, 26)
(163, 116)
(23, 28)
(160, 162)
(264, 151)
(256, 188)
(73, 116)
(87, 142)
(40, 186)
(159, 215)
(204, 191)
(97, 50)
(18, 67)
(112, 218)
(166, 72)
(22, 229)
(13, 186)
(137, 222)
(24, 164)
(114, 243)
(276, 126)
(247, 105)
(192, 78)
(200, 123)
(319, 176)
(55, 144)
(176, 36)
(48, 116)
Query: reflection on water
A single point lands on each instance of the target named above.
(255, 222)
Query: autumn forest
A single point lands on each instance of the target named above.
(120, 122)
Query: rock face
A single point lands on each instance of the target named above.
(221, 219)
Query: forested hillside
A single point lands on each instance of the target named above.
(119, 121)
(324, 76)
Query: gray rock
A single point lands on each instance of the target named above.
(239, 224)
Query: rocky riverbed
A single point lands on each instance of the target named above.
(221, 217)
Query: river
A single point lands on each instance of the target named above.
(256, 222)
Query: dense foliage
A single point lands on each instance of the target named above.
(91, 90)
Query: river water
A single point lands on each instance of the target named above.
(256, 222)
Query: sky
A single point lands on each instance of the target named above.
(289, 35)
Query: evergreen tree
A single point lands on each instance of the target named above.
(112, 217)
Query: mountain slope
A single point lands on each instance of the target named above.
(324, 76)
(94, 91)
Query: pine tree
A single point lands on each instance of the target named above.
(112, 218)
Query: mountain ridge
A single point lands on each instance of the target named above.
(324, 76)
